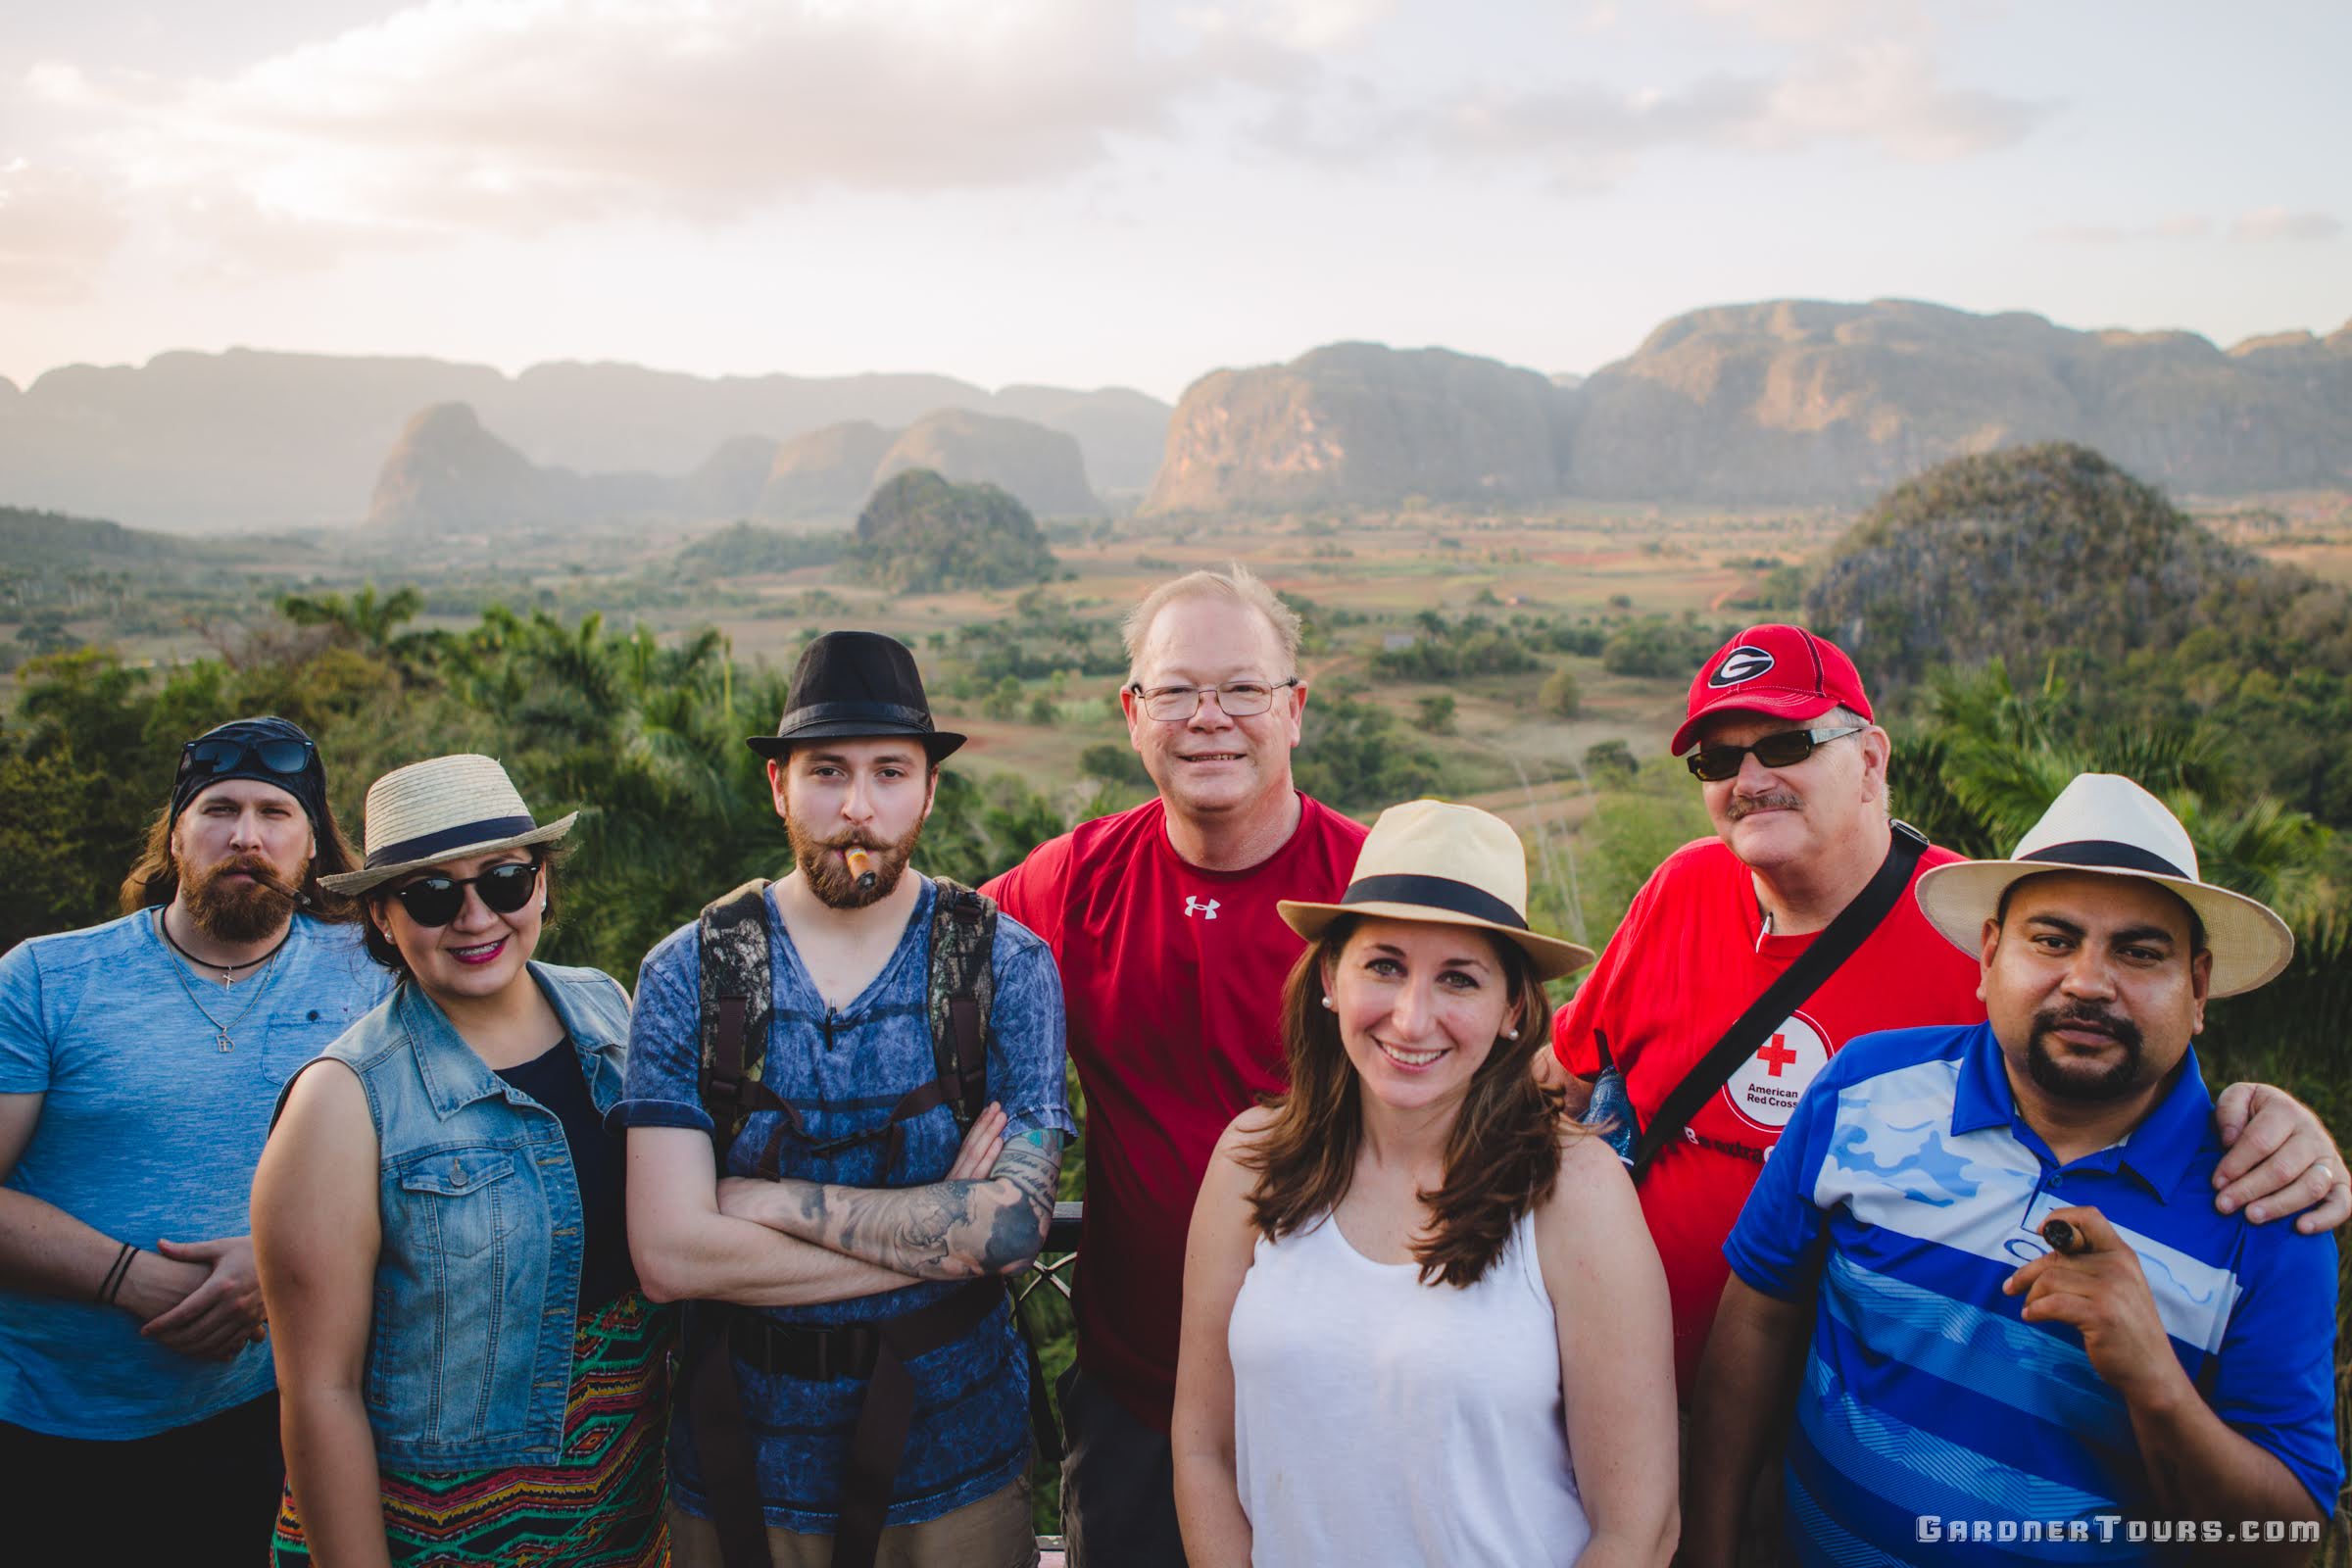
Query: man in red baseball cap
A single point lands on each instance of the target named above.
(1704, 1000)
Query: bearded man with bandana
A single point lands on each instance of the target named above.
(138, 1064)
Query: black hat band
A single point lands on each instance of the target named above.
(430, 845)
(1434, 893)
(2107, 854)
(911, 719)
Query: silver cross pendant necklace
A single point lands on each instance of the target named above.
(221, 1038)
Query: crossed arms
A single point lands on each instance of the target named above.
(695, 1237)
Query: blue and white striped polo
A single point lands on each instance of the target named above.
(1908, 1178)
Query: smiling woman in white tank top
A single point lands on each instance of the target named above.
(1423, 1320)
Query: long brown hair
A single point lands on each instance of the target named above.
(154, 879)
(1502, 1156)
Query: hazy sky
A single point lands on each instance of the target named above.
(1092, 191)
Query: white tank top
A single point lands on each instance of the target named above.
(1380, 1421)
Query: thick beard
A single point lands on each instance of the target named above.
(238, 913)
(2042, 1065)
(827, 872)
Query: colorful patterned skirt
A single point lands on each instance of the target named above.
(603, 1505)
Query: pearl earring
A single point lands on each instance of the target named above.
(1511, 1034)
(1329, 1004)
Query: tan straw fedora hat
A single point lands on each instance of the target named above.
(2106, 823)
(442, 809)
(1453, 865)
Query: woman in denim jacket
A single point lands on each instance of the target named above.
(468, 1371)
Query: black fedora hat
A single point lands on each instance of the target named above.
(853, 685)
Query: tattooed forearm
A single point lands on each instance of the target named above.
(1031, 1164)
(945, 1230)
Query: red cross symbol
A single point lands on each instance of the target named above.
(1776, 1055)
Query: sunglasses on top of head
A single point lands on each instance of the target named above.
(1781, 748)
(503, 889)
(288, 758)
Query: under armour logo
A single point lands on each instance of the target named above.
(1193, 906)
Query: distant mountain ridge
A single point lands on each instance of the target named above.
(248, 439)
(449, 473)
(1784, 402)
(1778, 403)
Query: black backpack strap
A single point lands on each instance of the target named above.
(1836, 944)
(962, 992)
(736, 997)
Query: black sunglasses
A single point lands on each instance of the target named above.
(503, 889)
(287, 758)
(1781, 748)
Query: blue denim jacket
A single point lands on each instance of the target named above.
(470, 1349)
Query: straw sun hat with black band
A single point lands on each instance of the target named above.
(2106, 823)
(1450, 865)
(443, 809)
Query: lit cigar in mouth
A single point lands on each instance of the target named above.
(862, 866)
(2064, 1238)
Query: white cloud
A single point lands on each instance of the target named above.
(1886, 96)
(513, 118)
(516, 115)
(1813, 19)
(2263, 225)
(2279, 224)
(56, 228)
(1305, 26)
(2186, 226)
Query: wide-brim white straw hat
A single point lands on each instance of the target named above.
(1453, 865)
(442, 809)
(2106, 823)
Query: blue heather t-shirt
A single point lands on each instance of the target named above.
(149, 1130)
(843, 1070)
(1910, 1184)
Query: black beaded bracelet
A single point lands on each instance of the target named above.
(112, 1285)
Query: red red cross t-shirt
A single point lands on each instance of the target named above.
(1689, 957)
(1172, 977)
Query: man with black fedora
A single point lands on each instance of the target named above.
(2026, 1322)
(138, 1064)
(876, 1057)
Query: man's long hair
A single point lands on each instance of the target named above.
(154, 877)
(1502, 1156)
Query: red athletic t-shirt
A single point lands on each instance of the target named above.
(1172, 977)
(1689, 959)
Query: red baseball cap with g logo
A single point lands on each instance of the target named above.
(1780, 671)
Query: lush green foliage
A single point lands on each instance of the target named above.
(921, 533)
(1448, 650)
(745, 550)
(1657, 646)
(647, 740)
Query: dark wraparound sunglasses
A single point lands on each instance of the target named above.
(503, 889)
(288, 758)
(1783, 749)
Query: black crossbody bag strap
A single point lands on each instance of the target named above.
(1836, 944)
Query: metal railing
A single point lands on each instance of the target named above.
(1058, 1259)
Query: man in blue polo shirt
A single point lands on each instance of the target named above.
(2032, 1337)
